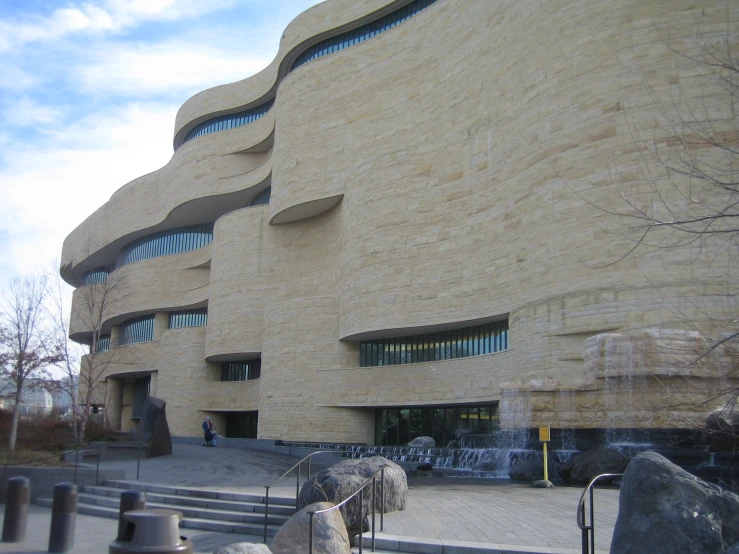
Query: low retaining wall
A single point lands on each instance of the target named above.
(262, 445)
(43, 479)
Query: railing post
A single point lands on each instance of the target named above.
(138, 460)
(308, 476)
(382, 499)
(584, 531)
(97, 466)
(592, 521)
(266, 511)
(361, 517)
(374, 495)
(76, 463)
(297, 488)
(310, 533)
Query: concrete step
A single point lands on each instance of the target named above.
(201, 493)
(395, 544)
(196, 502)
(221, 526)
(238, 516)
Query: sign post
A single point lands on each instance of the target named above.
(544, 433)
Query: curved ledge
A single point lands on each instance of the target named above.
(305, 210)
(421, 329)
(234, 356)
(307, 29)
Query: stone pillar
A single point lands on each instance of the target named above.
(113, 398)
(161, 324)
(153, 384)
(115, 335)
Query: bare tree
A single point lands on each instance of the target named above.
(85, 364)
(27, 348)
(686, 197)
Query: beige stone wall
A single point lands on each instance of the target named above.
(465, 149)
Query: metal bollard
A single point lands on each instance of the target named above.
(130, 500)
(16, 509)
(63, 518)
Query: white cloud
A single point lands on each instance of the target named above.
(26, 112)
(180, 66)
(49, 188)
(108, 15)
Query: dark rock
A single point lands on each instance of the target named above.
(153, 427)
(485, 466)
(582, 467)
(425, 466)
(542, 484)
(423, 442)
(723, 431)
(527, 471)
(329, 532)
(663, 509)
(338, 482)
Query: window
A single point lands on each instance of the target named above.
(446, 345)
(140, 329)
(228, 121)
(103, 344)
(241, 371)
(188, 318)
(97, 275)
(242, 425)
(261, 198)
(172, 241)
(399, 426)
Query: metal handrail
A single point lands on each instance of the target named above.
(77, 451)
(589, 530)
(359, 492)
(297, 484)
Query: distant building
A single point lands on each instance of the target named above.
(377, 236)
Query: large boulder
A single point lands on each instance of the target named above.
(582, 467)
(329, 532)
(338, 482)
(423, 442)
(153, 427)
(663, 509)
(243, 548)
(527, 471)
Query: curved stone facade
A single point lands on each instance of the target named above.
(438, 175)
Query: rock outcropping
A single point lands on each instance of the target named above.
(340, 481)
(663, 509)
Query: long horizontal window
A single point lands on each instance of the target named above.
(229, 121)
(447, 345)
(140, 329)
(188, 318)
(323, 48)
(173, 241)
(350, 38)
(241, 371)
(97, 275)
(399, 426)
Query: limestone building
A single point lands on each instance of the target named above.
(397, 229)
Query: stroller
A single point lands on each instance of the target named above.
(210, 439)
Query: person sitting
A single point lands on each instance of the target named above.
(207, 431)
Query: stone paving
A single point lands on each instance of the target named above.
(478, 510)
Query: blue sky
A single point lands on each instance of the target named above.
(88, 95)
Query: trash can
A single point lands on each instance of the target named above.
(154, 532)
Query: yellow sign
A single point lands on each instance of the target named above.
(544, 434)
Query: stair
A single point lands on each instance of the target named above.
(224, 512)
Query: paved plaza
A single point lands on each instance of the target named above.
(473, 510)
